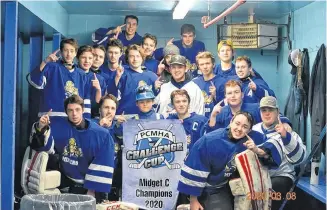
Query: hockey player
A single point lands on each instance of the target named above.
(163, 68)
(86, 151)
(99, 53)
(127, 37)
(188, 46)
(221, 116)
(149, 44)
(212, 86)
(130, 77)
(108, 106)
(192, 122)
(210, 165)
(99, 86)
(59, 78)
(290, 144)
(179, 80)
(253, 88)
(145, 101)
(114, 52)
(226, 55)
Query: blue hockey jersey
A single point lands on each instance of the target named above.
(103, 86)
(210, 102)
(262, 90)
(227, 73)
(210, 163)
(86, 156)
(58, 83)
(193, 126)
(116, 132)
(190, 53)
(151, 115)
(127, 85)
(137, 39)
(151, 64)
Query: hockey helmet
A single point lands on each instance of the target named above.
(144, 92)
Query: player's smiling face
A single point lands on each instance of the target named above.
(131, 26)
(68, 53)
(178, 72)
(85, 60)
(242, 69)
(181, 104)
(149, 46)
(269, 115)
(134, 59)
(239, 126)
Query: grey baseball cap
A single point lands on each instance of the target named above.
(178, 59)
(269, 101)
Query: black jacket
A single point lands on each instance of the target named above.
(317, 98)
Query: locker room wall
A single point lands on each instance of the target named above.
(308, 30)
(82, 26)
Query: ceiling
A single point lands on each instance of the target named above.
(263, 9)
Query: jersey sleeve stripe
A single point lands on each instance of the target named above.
(40, 87)
(198, 173)
(87, 101)
(192, 183)
(97, 167)
(98, 179)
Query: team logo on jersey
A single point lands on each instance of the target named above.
(207, 98)
(154, 148)
(250, 93)
(72, 150)
(142, 83)
(230, 167)
(70, 89)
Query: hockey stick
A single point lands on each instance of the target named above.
(313, 151)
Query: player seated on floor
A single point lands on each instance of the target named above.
(210, 164)
(86, 150)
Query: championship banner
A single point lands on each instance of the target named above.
(153, 155)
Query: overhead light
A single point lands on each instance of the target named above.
(182, 8)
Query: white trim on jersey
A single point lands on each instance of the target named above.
(53, 114)
(41, 87)
(194, 172)
(192, 183)
(98, 179)
(97, 167)
(87, 110)
(87, 101)
(80, 181)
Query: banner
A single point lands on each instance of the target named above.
(153, 155)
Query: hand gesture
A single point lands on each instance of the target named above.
(170, 41)
(158, 83)
(250, 144)
(106, 121)
(252, 85)
(205, 19)
(95, 82)
(217, 108)
(120, 70)
(280, 128)
(121, 119)
(212, 90)
(52, 57)
(119, 29)
(44, 120)
(161, 67)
